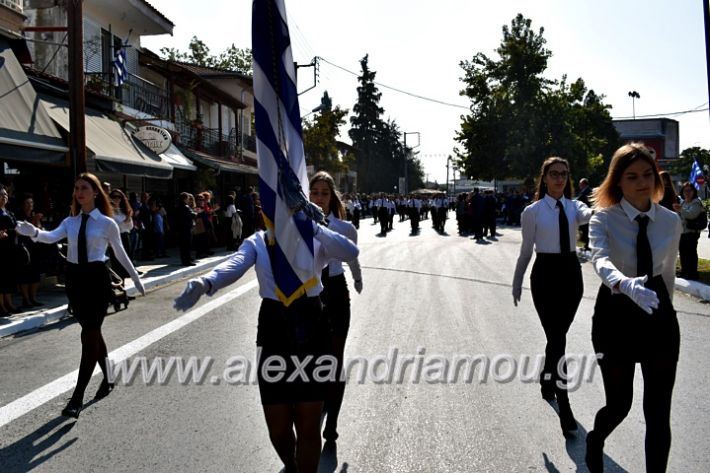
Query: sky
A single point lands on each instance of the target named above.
(654, 47)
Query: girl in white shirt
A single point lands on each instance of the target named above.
(123, 216)
(335, 295)
(285, 332)
(89, 231)
(549, 226)
(634, 244)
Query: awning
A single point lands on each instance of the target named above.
(177, 160)
(27, 133)
(112, 146)
(219, 164)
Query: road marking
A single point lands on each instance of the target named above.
(46, 393)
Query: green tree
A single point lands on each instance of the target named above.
(682, 166)
(518, 118)
(320, 138)
(366, 128)
(233, 59)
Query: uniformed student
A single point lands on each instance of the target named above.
(549, 226)
(335, 295)
(89, 230)
(634, 243)
(297, 330)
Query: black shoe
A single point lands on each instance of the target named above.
(567, 420)
(72, 410)
(594, 457)
(104, 390)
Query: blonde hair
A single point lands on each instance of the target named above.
(609, 192)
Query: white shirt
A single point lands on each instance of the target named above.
(125, 224)
(541, 229)
(612, 238)
(335, 266)
(327, 245)
(101, 231)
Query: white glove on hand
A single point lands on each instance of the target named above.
(517, 294)
(138, 284)
(25, 229)
(358, 286)
(192, 293)
(643, 297)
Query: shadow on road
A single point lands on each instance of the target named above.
(36, 448)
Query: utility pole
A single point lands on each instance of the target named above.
(448, 160)
(77, 116)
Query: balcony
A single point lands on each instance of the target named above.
(135, 92)
(14, 5)
(207, 140)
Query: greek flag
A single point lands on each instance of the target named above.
(119, 67)
(695, 172)
(287, 212)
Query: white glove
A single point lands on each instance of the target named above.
(138, 284)
(192, 293)
(358, 285)
(517, 294)
(644, 298)
(25, 229)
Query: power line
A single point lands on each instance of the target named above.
(669, 114)
(441, 102)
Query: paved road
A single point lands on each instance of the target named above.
(445, 295)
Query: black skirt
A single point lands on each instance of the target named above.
(336, 304)
(88, 288)
(298, 331)
(622, 331)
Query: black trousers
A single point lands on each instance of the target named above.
(688, 250)
(556, 286)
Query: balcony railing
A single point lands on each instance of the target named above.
(15, 5)
(135, 92)
(208, 140)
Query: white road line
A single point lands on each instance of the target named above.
(46, 393)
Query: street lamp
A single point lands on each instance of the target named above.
(406, 155)
(634, 95)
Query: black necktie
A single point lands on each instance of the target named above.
(81, 245)
(644, 258)
(564, 229)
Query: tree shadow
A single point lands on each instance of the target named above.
(34, 449)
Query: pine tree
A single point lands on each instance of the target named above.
(366, 128)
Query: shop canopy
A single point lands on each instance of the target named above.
(220, 164)
(27, 133)
(112, 146)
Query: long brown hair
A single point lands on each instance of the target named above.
(123, 205)
(609, 192)
(102, 202)
(336, 205)
(542, 188)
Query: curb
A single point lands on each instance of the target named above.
(694, 288)
(55, 314)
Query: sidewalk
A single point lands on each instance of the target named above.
(157, 273)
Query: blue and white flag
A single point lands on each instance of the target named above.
(695, 172)
(119, 67)
(281, 160)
